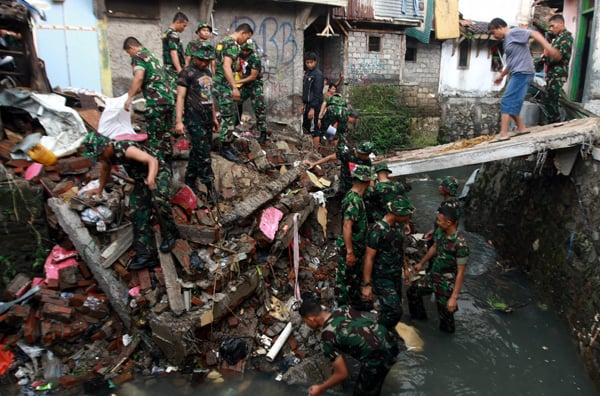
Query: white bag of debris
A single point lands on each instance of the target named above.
(115, 120)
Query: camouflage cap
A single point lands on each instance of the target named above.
(362, 173)
(382, 167)
(400, 206)
(94, 144)
(205, 51)
(450, 185)
(203, 25)
(365, 148)
(248, 45)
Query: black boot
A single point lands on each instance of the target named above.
(141, 261)
(228, 153)
(211, 193)
(262, 138)
(168, 244)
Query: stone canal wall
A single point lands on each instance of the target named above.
(548, 226)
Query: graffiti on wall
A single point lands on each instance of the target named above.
(276, 39)
(367, 67)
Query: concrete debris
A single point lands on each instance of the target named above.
(229, 275)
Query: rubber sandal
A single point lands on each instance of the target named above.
(500, 139)
(521, 133)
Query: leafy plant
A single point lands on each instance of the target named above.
(383, 120)
(9, 271)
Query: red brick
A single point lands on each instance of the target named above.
(77, 300)
(68, 380)
(63, 302)
(197, 301)
(84, 270)
(31, 328)
(53, 311)
(122, 271)
(122, 378)
(52, 283)
(73, 165)
(17, 286)
(144, 278)
(17, 314)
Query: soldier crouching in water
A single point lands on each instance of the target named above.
(345, 330)
(151, 177)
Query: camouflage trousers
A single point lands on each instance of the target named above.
(229, 112)
(159, 121)
(199, 162)
(348, 279)
(255, 93)
(551, 105)
(373, 371)
(388, 290)
(442, 286)
(142, 202)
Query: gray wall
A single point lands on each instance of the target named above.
(426, 69)
(384, 66)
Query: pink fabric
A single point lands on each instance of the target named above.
(136, 137)
(33, 170)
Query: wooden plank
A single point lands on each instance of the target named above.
(182, 251)
(198, 233)
(170, 273)
(117, 248)
(71, 223)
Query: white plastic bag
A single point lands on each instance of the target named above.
(115, 120)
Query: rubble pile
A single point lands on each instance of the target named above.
(234, 274)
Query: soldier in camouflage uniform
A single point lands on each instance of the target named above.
(352, 242)
(149, 77)
(384, 261)
(450, 254)
(448, 188)
(195, 101)
(345, 331)
(225, 87)
(252, 87)
(377, 196)
(333, 116)
(173, 55)
(204, 31)
(558, 69)
(151, 191)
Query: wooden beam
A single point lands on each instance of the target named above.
(90, 253)
(170, 273)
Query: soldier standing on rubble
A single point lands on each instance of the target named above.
(351, 243)
(149, 77)
(377, 196)
(194, 98)
(173, 54)
(252, 87)
(204, 31)
(345, 331)
(151, 177)
(384, 261)
(225, 86)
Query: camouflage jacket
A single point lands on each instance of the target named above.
(135, 169)
(347, 331)
(377, 197)
(154, 87)
(451, 252)
(563, 42)
(228, 47)
(353, 209)
(171, 41)
(193, 46)
(252, 62)
(388, 241)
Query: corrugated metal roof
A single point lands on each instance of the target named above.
(377, 10)
(334, 3)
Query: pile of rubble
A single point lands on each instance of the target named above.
(232, 280)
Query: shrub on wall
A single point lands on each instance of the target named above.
(383, 120)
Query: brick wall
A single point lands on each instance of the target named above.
(365, 66)
(425, 69)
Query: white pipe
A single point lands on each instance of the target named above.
(279, 343)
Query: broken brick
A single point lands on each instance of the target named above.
(53, 311)
(84, 270)
(73, 165)
(144, 278)
(17, 286)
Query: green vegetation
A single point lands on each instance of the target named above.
(9, 270)
(383, 119)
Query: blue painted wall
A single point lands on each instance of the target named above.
(72, 55)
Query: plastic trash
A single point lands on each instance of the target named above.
(232, 350)
(6, 359)
(52, 366)
(101, 213)
(41, 154)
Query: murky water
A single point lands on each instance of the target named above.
(525, 352)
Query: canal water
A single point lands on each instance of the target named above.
(523, 352)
